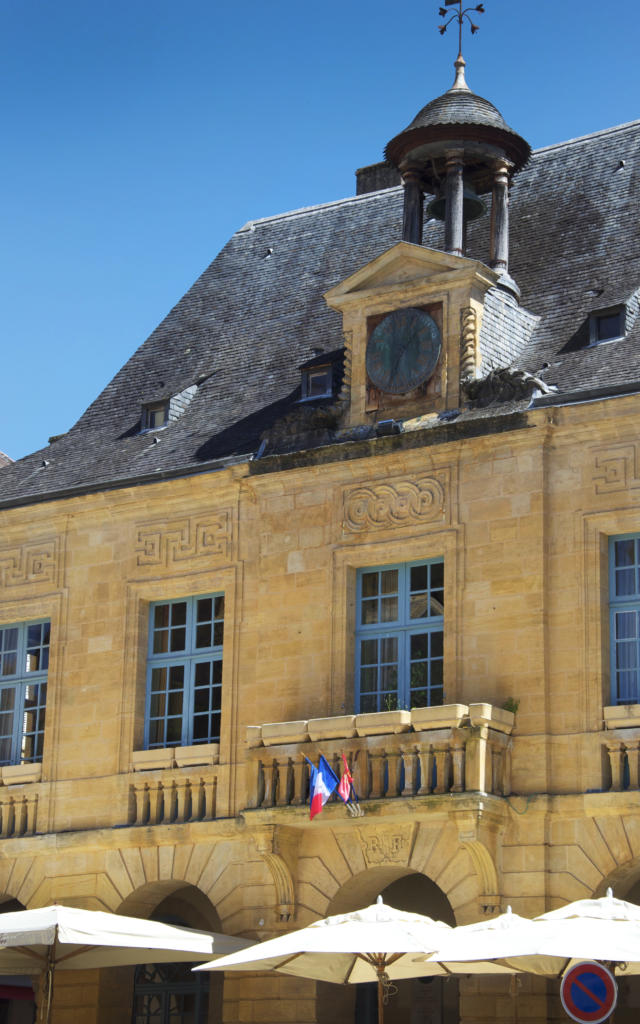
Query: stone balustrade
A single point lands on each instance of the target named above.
(451, 749)
(167, 797)
(174, 785)
(18, 813)
(622, 746)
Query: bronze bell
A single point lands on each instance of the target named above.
(472, 205)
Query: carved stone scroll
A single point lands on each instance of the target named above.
(468, 343)
(166, 543)
(396, 503)
(29, 563)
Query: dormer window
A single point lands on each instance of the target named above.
(154, 415)
(317, 382)
(606, 325)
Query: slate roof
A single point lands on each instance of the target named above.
(257, 314)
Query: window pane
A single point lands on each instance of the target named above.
(179, 613)
(389, 609)
(161, 616)
(369, 584)
(218, 631)
(219, 607)
(178, 639)
(204, 637)
(389, 649)
(419, 577)
(368, 652)
(369, 612)
(368, 680)
(389, 581)
(205, 609)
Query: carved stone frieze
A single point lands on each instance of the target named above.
(29, 563)
(394, 503)
(169, 542)
(616, 468)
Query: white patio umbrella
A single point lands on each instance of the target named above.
(378, 942)
(605, 929)
(56, 938)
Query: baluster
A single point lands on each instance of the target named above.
(143, 804)
(632, 747)
(425, 756)
(170, 802)
(360, 770)
(269, 783)
(410, 762)
(457, 754)
(283, 788)
(32, 812)
(21, 816)
(616, 761)
(443, 767)
(377, 761)
(7, 818)
(299, 776)
(393, 774)
(183, 800)
(156, 797)
(211, 789)
(198, 800)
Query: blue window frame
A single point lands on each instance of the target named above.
(624, 607)
(24, 664)
(399, 636)
(184, 671)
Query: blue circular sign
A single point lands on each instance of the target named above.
(589, 992)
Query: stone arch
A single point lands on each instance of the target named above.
(375, 855)
(406, 889)
(168, 899)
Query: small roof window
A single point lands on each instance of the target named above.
(317, 382)
(154, 415)
(606, 325)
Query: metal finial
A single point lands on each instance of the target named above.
(459, 16)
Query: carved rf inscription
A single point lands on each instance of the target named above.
(184, 540)
(384, 846)
(396, 503)
(29, 563)
(616, 469)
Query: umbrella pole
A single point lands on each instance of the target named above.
(46, 989)
(380, 972)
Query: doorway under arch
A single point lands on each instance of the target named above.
(414, 1000)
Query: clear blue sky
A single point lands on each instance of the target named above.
(137, 135)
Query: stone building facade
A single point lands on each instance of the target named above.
(260, 544)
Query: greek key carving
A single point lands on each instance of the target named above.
(29, 563)
(191, 539)
(469, 343)
(396, 503)
(616, 469)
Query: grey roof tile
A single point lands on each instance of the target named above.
(256, 315)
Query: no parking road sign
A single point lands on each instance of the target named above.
(589, 992)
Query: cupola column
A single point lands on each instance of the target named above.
(412, 214)
(499, 255)
(454, 199)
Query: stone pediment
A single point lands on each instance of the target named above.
(405, 267)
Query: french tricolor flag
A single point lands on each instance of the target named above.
(322, 782)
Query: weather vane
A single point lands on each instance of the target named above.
(459, 16)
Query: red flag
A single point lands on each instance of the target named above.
(346, 782)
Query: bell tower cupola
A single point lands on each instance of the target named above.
(459, 149)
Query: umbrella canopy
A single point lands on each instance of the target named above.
(56, 938)
(376, 942)
(70, 938)
(606, 929)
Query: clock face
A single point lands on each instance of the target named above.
(403, 351)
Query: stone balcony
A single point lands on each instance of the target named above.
(450, 749)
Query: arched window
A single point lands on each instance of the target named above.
(170, 994)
